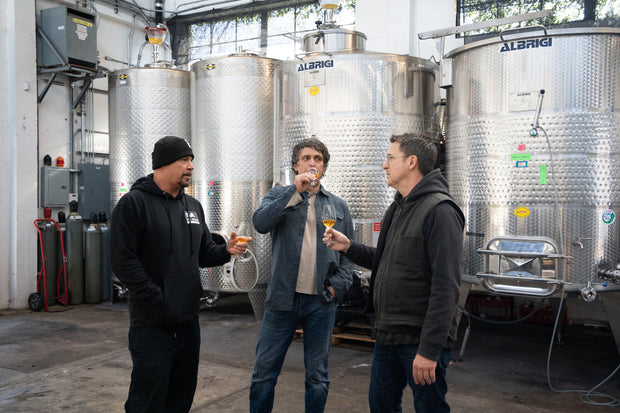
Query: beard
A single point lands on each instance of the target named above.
(184, 183)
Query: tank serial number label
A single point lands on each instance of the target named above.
(526, 44)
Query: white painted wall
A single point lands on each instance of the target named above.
(18, 129)
(26, 144)
(392, 28)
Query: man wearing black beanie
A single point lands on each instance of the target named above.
(158, 241)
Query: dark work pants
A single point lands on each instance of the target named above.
(165, 368)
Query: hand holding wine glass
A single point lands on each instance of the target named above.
(314, 183)
(242, 236)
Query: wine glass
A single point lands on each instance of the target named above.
(243, 235)
(243, 232)
(314, 182)
(329, 215)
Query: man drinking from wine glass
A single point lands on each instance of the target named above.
(306, 278)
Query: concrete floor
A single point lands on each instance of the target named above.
(77, 361)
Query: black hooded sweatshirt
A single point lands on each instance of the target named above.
(157, 244)
(430, 318)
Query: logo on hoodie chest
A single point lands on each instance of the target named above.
(191, 217)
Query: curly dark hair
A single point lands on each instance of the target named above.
(313, 143)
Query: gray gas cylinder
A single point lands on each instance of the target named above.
(62, 242)
(49, 242)
(92, 262)
(106, 285)
(75, 255)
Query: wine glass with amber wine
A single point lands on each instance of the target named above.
(243, 235)
(315, 181)
(329, 215)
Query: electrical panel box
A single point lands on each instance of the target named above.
(93, 190)
(54, 186)
(73, 34)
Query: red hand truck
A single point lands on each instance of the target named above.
(35, 302)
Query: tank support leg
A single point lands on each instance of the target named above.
(611, 301)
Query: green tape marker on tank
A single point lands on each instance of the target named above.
(543, 175)
(521, 157)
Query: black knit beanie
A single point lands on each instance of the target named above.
(168, 149)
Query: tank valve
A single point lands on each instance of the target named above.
(588, 293)
(610, 274)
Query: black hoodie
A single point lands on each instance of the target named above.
(416, 281)
(157, 244)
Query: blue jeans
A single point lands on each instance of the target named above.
(276, 333)
(392, 370)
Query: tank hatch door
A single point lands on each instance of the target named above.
(520, 265)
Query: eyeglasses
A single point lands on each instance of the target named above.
(390, 158)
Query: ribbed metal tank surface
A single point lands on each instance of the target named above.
(353, 102)
(145, 104)
(232, 104)
(506, 179)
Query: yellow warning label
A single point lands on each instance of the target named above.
(84, 22)
(522, 212)
(314, 90)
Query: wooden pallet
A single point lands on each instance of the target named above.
(352, 335)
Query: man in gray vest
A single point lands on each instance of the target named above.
(415, 279)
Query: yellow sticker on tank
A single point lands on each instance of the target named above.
(314, 90)
(522, 212)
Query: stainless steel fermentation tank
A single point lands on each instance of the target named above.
(232, 103)
(353, 101)
(145, 104)
(539, 214)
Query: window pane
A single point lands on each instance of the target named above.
(224, 31)
(200, 34)
(223, 49)
(252, 45)
(573, 12)
(281, 21)
(346, 15)
(307, 16)
(284, 27)
(199, 53)
(248, 27)
(281, 47)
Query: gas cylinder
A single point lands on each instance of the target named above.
(106, 285)
(75, 255)
(92, 261)
(62, 240)
(49, 242)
